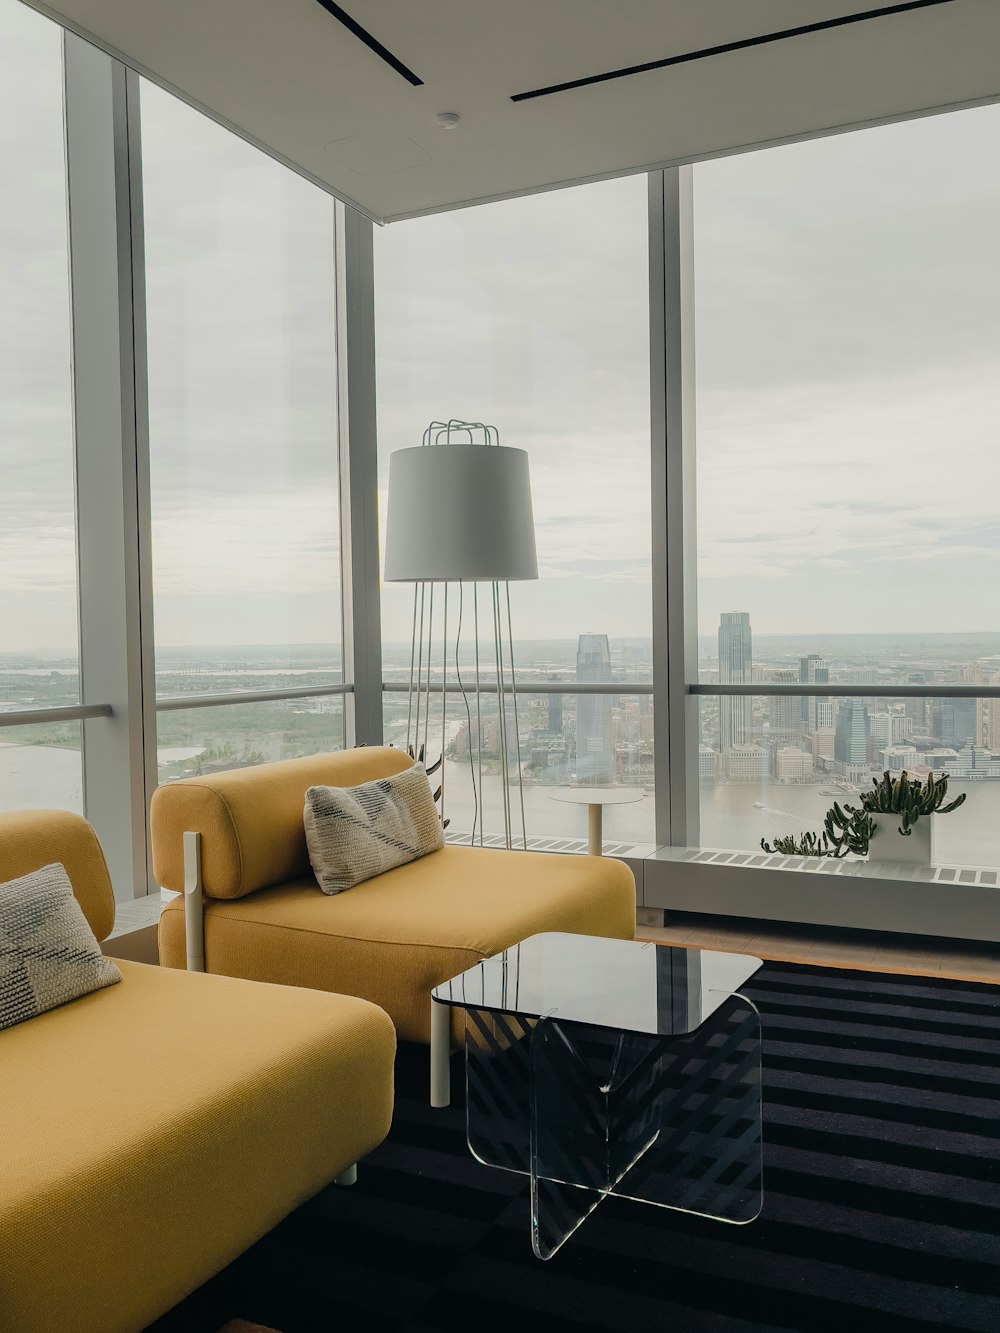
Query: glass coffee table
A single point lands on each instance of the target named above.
(599, 1066)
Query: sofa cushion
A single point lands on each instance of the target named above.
(393, 938)
(34, 838)
(146, 1113)
(48, 953)
(250, 819)
(355, 833)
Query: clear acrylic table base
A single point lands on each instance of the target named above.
(588, 1112)
(497, 1088)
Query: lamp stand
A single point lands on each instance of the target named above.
(430, 673)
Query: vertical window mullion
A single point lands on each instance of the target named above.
(674, 538)
(107, 475)
(359, 478)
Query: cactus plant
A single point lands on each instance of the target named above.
(808, 844)
(850, 828)
(908, 797)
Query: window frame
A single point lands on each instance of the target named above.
(118, 704)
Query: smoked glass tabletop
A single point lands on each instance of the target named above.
(627, 985)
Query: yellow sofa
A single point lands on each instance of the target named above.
(390, 939)
(151, 1131)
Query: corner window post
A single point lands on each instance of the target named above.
(111, 465)
(675, 618)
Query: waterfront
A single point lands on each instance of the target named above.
(38, 776)
(734, 814)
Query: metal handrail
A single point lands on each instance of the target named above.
(541, 687)
(179, 702)
(23, 717)
(756, 689)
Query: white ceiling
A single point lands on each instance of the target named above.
(297, 81)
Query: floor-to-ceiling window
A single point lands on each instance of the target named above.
(848, 341)
(243, 444)
(532, 315)
(40, 763)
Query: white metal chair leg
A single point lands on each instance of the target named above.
(348, 1176)
(440, 1054)
(194, 910)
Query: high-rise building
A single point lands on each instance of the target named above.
(823, 743)
(784, 712)
(735, 664)
(851, 744)
(991, 728)
(919, 709)
(814, 670)
(953, 721)
(595, 743)
(902, 727)
(826, 713)
(555, 712)
(987, 712)
(880, 728)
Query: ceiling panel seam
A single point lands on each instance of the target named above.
(742, 44)
(373, 44)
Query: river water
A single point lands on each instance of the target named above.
(733, 815)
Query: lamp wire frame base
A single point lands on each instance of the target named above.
(422, 670)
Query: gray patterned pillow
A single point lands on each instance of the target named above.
(48, 953)
(354, 833)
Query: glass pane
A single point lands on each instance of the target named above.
(802, 755)
(38, 598)
(847, 336)
(532, 315)
(553, 730)
(41, 768)
(215, 670)
(243, 408)
(191, 741)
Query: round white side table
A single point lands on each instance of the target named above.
(595, 799)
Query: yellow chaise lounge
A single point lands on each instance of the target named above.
(151, 1131)
(389, 939)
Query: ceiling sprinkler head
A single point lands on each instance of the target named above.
(448, 119)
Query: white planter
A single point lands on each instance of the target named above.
(887, 844)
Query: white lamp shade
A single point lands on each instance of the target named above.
(459, 511)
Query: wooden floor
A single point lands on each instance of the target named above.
(963, 959)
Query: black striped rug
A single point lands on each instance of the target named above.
(881, 1210)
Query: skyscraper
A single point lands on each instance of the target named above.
(595, 746)
(784, 712)
(953, 721)
(851, 746)
(735, 658)
(814, 670)
(555, 711)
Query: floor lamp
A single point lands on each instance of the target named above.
(459, 513)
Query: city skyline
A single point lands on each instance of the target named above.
(847, 739)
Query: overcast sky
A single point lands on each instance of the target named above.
(848, 369)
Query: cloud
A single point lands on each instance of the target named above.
(847, 338)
